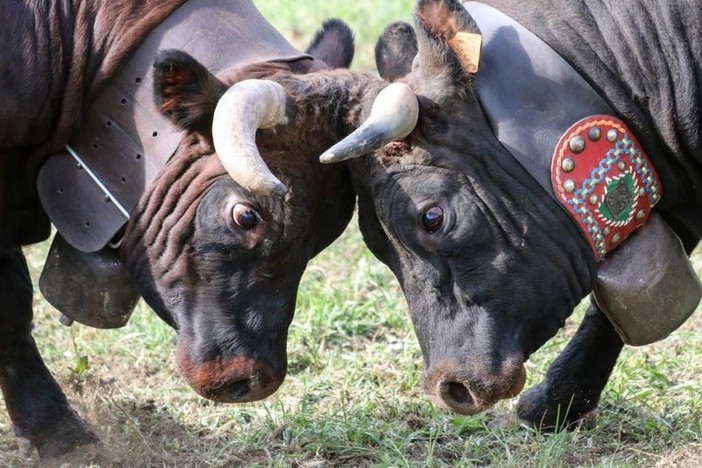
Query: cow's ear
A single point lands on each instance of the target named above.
(185, 91)
(333, 44)
(395, 50)
(449, 46)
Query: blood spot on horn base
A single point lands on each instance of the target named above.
(393, 116)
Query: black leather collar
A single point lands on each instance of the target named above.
(563, 133)
(89, 189)
(528, 92)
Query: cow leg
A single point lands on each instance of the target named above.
(574, 382)
(38, 408)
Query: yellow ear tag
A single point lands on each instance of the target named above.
(466, 46)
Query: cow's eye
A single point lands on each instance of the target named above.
(245, 217)
(432, 219)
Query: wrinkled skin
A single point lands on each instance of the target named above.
(490, 265)
(215, 261)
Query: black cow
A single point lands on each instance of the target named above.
(215, 243)
(480, 226)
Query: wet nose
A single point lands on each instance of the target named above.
(470, 390)
(229, 379)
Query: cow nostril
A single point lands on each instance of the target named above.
(466, 390)
(236, 391)
(457, 397)
(457, 393)
(236, 379)
(255, 388)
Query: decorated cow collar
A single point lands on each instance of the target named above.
(562, 131)
(602, 177)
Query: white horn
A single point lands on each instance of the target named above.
(393, 116)
(243, 109)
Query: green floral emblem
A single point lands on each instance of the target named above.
(619, 199)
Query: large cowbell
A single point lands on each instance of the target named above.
(647, 286)
(91, 288)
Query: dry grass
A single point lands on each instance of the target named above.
(352, 396)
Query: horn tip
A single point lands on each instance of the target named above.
(327, 158)
(279, 188)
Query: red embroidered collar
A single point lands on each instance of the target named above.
(604, 180)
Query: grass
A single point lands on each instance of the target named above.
(352, 396)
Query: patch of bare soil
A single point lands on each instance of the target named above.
(123, 404)
(132, 432)
(681, 458)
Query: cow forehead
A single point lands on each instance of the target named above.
(414, 181)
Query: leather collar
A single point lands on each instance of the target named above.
(563, 133)
(89, 189)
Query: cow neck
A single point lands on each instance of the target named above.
(90, 189)
(562, 132)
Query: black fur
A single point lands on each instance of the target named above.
(333, 43)
(507, 267)
(395, 50)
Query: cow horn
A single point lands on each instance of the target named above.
(393, 116)
(243, 109)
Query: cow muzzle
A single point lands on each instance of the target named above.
(236, 379)
(466, 391)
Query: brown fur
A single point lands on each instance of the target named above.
(74, 47)
(228, 287)
(201, 272)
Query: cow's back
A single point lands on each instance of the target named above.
(54, 51)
